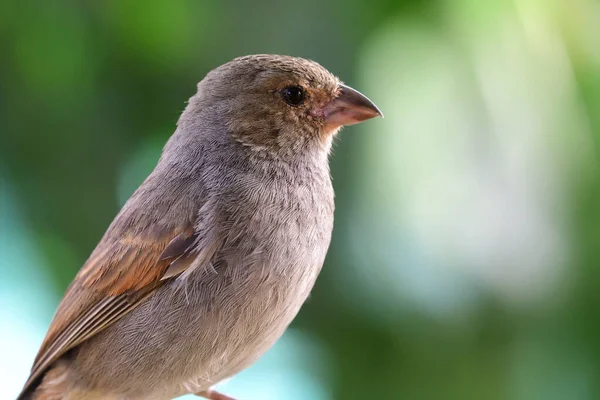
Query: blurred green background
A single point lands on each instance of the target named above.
(465, 257)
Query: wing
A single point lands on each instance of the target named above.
(123, 270)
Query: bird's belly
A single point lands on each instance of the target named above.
(248, 318)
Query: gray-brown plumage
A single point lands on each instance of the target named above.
(213, 255)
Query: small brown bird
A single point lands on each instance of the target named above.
(211, 258)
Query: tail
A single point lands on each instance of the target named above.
(25, 396)
(52, 385)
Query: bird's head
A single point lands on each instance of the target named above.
(281, 105)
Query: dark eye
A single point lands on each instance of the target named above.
(293, 95)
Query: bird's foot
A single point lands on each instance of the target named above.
(213, 395)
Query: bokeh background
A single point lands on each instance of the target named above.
(465, 261)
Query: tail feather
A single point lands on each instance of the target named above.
(53, 385)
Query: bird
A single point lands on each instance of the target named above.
(211, 258)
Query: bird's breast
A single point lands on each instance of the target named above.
(279, 239)
(262, 275)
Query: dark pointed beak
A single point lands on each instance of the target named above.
(349, 108)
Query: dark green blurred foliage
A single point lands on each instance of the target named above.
(89, 92)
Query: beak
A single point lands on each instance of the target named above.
(349, 108)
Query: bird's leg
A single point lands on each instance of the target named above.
(213, 395)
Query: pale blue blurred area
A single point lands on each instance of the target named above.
(27, 298)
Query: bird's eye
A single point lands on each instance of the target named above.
(293, 95)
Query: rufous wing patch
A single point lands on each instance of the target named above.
(119, 274)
